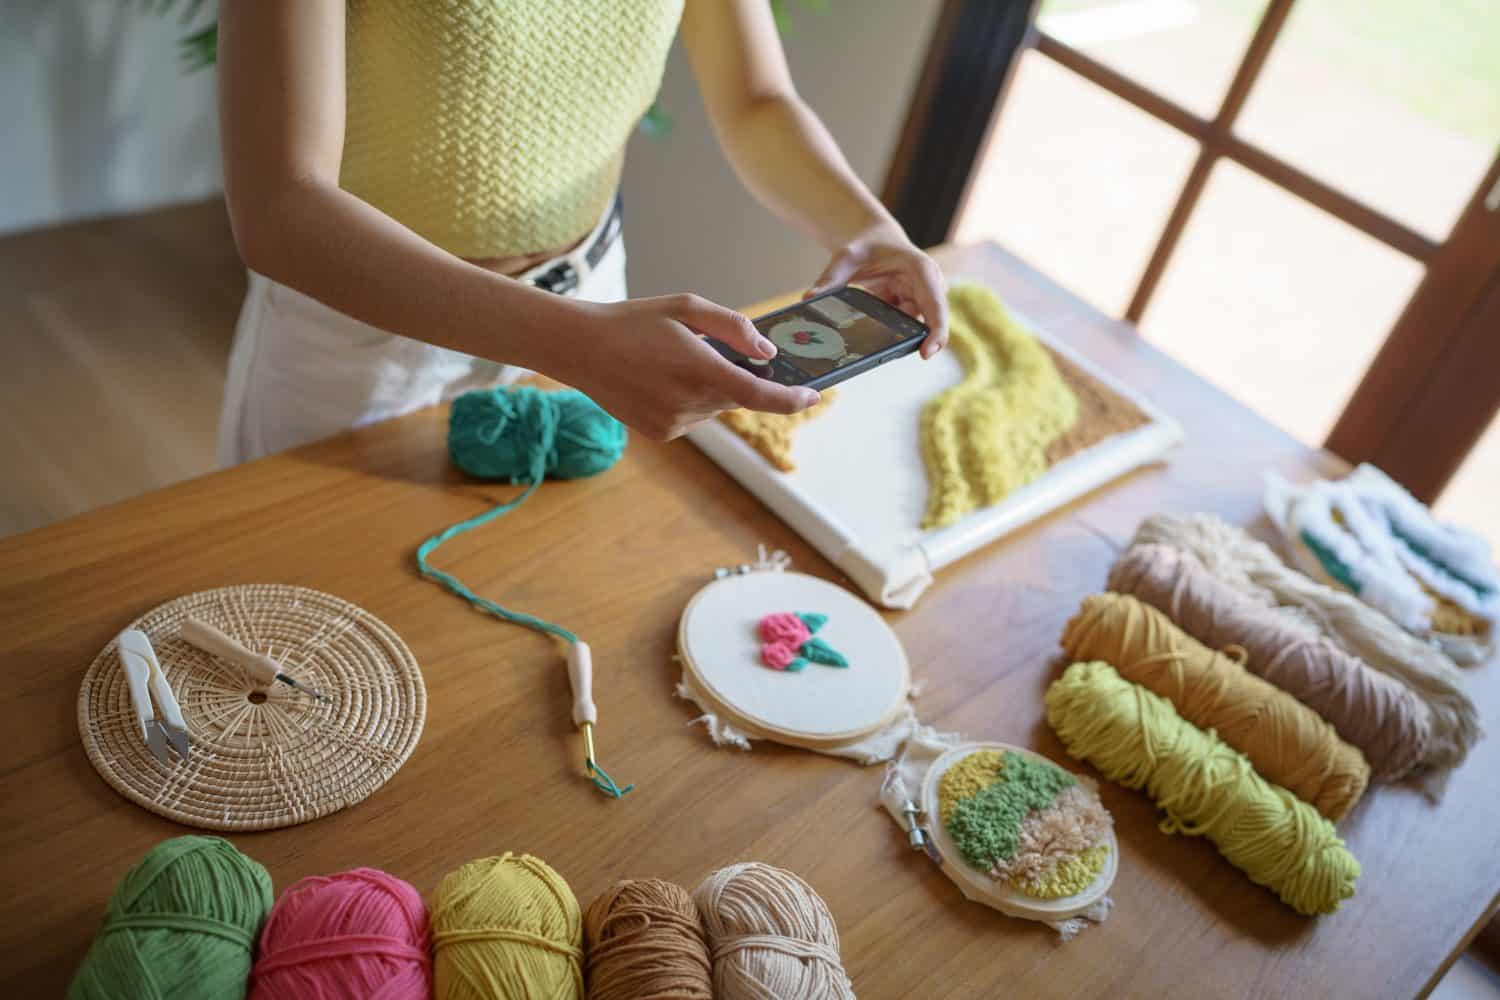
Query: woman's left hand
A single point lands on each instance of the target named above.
(885, 263)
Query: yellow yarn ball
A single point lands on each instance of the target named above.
(506, 927)
(1206, 787)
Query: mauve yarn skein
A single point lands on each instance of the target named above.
(1373, 711)
(770, 935)
(181, 925)
(356, 935)
(1241, 562)
(643, 940)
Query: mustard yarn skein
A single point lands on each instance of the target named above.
(1375, 712)
(1287, 742)
(1205, 787)
(506, 926)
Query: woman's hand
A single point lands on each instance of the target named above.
(645, 362)
(887, 264)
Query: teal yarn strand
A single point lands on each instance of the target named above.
(456, 586)
(522, 435)
(602, 781)
(181, 923)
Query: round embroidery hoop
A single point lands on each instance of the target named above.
(980, 887)
(818, 708)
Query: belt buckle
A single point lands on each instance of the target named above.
(560, 279)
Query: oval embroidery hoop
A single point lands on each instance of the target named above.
(978, 886)
(817, 709)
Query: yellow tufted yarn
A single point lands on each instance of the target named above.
(497, 129)
(1286, 741)
(988, 435)
(968, 778)
(1068, 877)
(506, 927)
(1204, 786)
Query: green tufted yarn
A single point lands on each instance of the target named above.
(521, 434)
(181, 923)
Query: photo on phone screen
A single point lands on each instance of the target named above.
(831, 337)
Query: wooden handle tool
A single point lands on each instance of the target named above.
(258, 665)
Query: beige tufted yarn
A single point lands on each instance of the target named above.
(770, 935)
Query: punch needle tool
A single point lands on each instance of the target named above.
(585, 715)
(211, 640)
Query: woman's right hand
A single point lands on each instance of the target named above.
(644, 360)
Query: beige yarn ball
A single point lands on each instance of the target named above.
(771, 936)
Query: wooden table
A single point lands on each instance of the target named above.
(616, 558)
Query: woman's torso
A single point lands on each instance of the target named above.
(496, 128)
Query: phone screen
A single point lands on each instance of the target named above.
(822, 335)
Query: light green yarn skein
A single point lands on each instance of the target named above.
(181, 923)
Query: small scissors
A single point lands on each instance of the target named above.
(146, 678)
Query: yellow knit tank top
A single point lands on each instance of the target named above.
(497, 128)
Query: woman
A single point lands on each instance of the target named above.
(443, 169)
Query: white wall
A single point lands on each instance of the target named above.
(96, 116)
(689, 224)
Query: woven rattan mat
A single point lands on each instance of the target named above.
(278, 758)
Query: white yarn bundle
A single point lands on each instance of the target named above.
(1391, 553)
(1252, 568)
(771, 936)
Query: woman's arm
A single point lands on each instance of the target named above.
(281, 108)
(785, 156)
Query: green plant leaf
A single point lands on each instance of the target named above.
(656, 123)
(200, 50)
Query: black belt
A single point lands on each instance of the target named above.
(562, 277)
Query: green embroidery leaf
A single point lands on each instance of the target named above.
(819, 651)
(812, 620)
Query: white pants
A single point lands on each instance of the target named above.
(300, 371)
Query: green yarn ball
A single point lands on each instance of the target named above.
(522, 434)
(181, 923)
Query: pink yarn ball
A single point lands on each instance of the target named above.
(785, 628)
(357, 935)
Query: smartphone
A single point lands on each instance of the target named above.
(830, 338)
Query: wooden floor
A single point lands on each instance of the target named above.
(112, 358)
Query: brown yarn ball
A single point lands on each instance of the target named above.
(644, 941)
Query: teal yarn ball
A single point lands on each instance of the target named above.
(181, 923)
(522, 434)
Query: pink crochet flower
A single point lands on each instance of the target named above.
(784, 627)
(787, 642)
(778, 655)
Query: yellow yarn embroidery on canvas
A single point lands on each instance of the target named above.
(988, 436)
